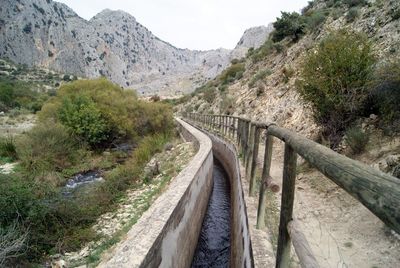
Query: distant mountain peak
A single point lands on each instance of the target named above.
(49, 34)
(255, 36)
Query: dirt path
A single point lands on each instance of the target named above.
(341, 231)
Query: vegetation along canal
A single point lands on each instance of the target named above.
(213, 248)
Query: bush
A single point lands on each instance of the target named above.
(6, 94)
(352, 14)
(307, 8)
(209, 94)
(7, 148)
(355, 3)
(263, 51)
(394, 12)
(232, 73)
(315, 20)
(82, 117)
(289, 25)
(259, 76)
(227, 105)
(107, 113)
(18, 94)
(53, 222)
(48, 147)
(12, 243)
(357, 139)
(384, 98)
(334, 79)
(120, 178)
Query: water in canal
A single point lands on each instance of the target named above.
(213, 248)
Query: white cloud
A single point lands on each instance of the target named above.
(194, 24)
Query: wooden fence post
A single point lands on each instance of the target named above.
(265, 176)
(288, 186)
(250, 149)
(253, 164)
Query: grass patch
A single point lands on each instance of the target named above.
(259, 76)
(357, 139)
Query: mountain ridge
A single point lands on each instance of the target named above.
(112, 43)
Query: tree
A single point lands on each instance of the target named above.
(335, 77)
(289, 25)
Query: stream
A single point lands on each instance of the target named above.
(213, 247)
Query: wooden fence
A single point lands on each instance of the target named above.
(377, 191)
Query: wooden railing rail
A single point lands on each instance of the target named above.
(377, 191)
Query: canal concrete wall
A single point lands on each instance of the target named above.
(167, 233)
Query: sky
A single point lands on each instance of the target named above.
(194, 24)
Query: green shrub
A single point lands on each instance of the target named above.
(384, 98)
(307, 8)
(334, 79)
(113, 113)
(355, 3)
(289, 25)
(352, 14)
(209, 94)
(48, 147)
(263, 51)
(6, 94)
(357, 139)
(8, 148)
(82, 117)
(122, 177)
(18, 94)
(315, 20)
(232, 73)
(227, 105)
(336, 13)
(250, 52)
(394, 12)
(259, 76)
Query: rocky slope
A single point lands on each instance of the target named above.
(113, 44)
(273, 97)
(341, 232)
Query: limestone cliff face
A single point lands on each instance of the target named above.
(113, 44)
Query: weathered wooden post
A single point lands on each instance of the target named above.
(213, 122)
(231, 133)
(253, 165)
(220, 124)
(265, 180)
(229, 127)
(226, 126)
(238, 135)
(241, 141)
(246, 140)
(288, 186)
(250, 149)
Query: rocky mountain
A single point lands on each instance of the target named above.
(49, 34)
(252, 38)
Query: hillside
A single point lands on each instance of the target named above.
(49, 34)
(266, 88)
(267, 85)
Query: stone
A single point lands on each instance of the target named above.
(168, 146)
(392, 160)
(58, 264)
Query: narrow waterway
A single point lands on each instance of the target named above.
(213, 247)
